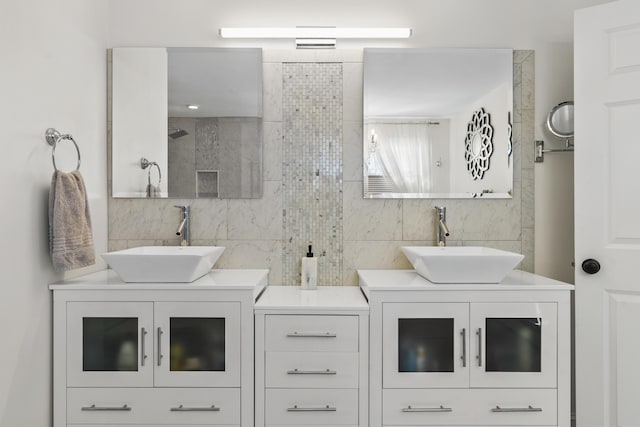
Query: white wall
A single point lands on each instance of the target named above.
(52, 74)
(554, 177)
(140, 112)
(543, 25)
(440, 134)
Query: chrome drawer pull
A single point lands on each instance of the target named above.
(479, 355)
(300, 372)
(106, 408)
(212, 408)
(463, 333)
(143, 352)
(527, 409)
(327, 408)
(440, 409)
(159, 346)
(310, 335)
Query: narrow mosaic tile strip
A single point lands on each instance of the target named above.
(312, 169)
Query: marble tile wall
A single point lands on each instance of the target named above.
(181, 170)
(253, 230)
(226, 145)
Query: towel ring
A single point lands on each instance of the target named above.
(149, 173)
(53, 137)
(145, 163)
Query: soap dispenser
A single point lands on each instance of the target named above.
(309, 271)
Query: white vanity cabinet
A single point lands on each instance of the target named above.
(311, 356)
(174, 354)
(468, 354)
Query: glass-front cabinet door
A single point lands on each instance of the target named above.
(425, 345)
(513, 345)
(109, 344)
(197, 344)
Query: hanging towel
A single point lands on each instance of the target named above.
(153, 190)
(70, 237)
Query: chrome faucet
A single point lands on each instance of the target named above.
(443, 230)
(184, 228)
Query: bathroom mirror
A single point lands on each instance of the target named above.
(437, 123)
(186, 122)
(560, 120)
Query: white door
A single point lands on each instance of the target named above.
(109, 344)
(197, 344)
(425, 345)
(607, 220)
(514, 345)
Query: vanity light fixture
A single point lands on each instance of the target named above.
(193, 107)
(315, 37)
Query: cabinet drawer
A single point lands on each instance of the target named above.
(311, 333)
(153, 406)
(490, 407)
(311, 370)
(311, 406)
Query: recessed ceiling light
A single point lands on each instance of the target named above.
(193, 107)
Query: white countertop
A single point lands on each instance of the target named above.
(254, 280)
(322, 298)
(409, 280)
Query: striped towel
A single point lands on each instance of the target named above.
(70, 237)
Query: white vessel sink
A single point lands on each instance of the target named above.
(461, 264)
(163, 263)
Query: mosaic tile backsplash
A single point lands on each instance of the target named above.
(312, 169)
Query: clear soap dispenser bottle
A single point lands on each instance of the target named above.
(309, 271)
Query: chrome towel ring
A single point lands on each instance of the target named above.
(145, 163)
(53, 137)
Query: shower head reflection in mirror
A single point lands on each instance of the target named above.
(175, 133)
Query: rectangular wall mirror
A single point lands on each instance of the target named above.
(186, 123)
(437, 123)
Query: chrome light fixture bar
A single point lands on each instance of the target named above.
(315, 43)
(314, 37)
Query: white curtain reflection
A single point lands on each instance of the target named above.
(404, 152)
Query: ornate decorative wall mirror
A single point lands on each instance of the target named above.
(478, 146)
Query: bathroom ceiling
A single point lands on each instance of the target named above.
(222, 82)
(431, 72)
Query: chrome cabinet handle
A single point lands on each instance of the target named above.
(327, 408)
(143, 353)
(181, 408)
(106, 408)
(319, 372)
(479, 355)
(311, 335)
(527, 409)
(463, 333)
(159, 346)
(440, 409)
